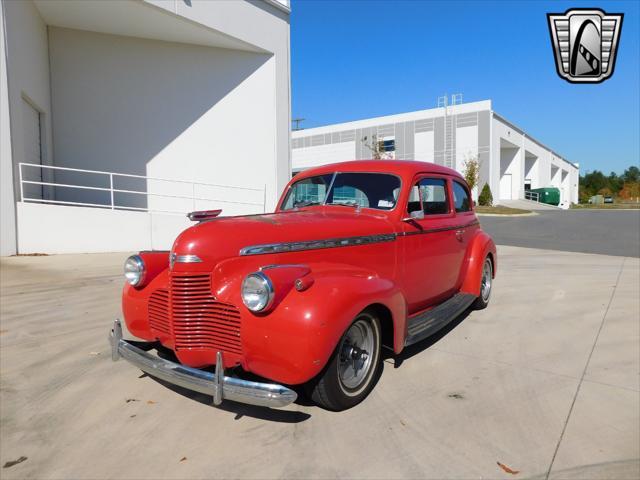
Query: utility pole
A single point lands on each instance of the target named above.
(297, 121)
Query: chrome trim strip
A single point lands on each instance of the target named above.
(219, 386)
(282, 265)
(333, 179)
(338, 242)
(186, 259)
(316, 244)
(436, 230)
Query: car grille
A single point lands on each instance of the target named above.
(199, 321)
(159, 312)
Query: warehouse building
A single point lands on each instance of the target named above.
(117, 117)
(511, 161)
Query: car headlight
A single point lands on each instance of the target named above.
(134, 270)
(257, 292)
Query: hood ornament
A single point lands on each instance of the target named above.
(201, 215)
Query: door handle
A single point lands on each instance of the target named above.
(460, 235)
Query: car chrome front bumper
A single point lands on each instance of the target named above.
(215, 384)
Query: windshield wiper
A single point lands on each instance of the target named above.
(305, 204)
(345, 204)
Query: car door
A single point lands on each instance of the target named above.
(466, 224)
(432, 252)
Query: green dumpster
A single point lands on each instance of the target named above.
(548, 195)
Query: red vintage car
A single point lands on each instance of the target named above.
(357, 256)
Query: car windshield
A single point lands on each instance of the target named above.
(367, 190)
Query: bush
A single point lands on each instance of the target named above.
(485, 199)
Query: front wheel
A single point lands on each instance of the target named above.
(486, 282)
(353, 369)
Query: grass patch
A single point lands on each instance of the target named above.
(500, 210)
(606, 206)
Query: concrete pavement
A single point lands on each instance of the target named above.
(607, 232)
(545, 381)
(527, 205)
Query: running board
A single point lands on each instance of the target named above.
(425, 324)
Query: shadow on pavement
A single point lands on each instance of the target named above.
(288, 416)
(422, 345)
(240, 409)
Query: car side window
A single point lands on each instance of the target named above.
(432, 192)
(461, 198)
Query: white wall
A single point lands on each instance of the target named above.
(56, 229)
(164, 109)
(307, 157)
(7, 202)
(424, 149)
(28, 75)
(267, 27)
(466, 145)
(506, 160)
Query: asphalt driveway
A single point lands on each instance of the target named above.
(545, 382)
(607, 232)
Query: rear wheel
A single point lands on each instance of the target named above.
(486, 282)
(354, 367)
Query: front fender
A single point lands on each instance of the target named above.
(293, 342)
(480, 246)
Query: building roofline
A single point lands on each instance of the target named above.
(280, 5)
(537, 142)
(397, 117)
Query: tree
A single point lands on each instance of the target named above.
(615, 182)
(377, 148)
(594, 181)
(583, 195)
(471, 171)
(631, 175)
(485, 199)
(630, 191)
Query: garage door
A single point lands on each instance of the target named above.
(32, 149)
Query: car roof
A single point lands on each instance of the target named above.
(404, 168)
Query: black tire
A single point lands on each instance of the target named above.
(486, 284)
(333, 388)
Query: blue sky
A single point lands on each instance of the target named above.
(353, 59)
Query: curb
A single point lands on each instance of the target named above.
(530, 214)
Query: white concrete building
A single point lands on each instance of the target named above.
(119, 116)
(511, 161)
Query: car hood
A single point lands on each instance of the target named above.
(221, 238)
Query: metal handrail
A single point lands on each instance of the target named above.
(129, 175)
(533, 196)
(113, 190)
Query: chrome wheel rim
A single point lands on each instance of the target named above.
(357, 353)
(485, 288)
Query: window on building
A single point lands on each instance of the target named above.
(388, 145)
(461, 198)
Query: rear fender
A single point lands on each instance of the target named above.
(481, 246)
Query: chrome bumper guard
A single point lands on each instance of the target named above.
(215, 384)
